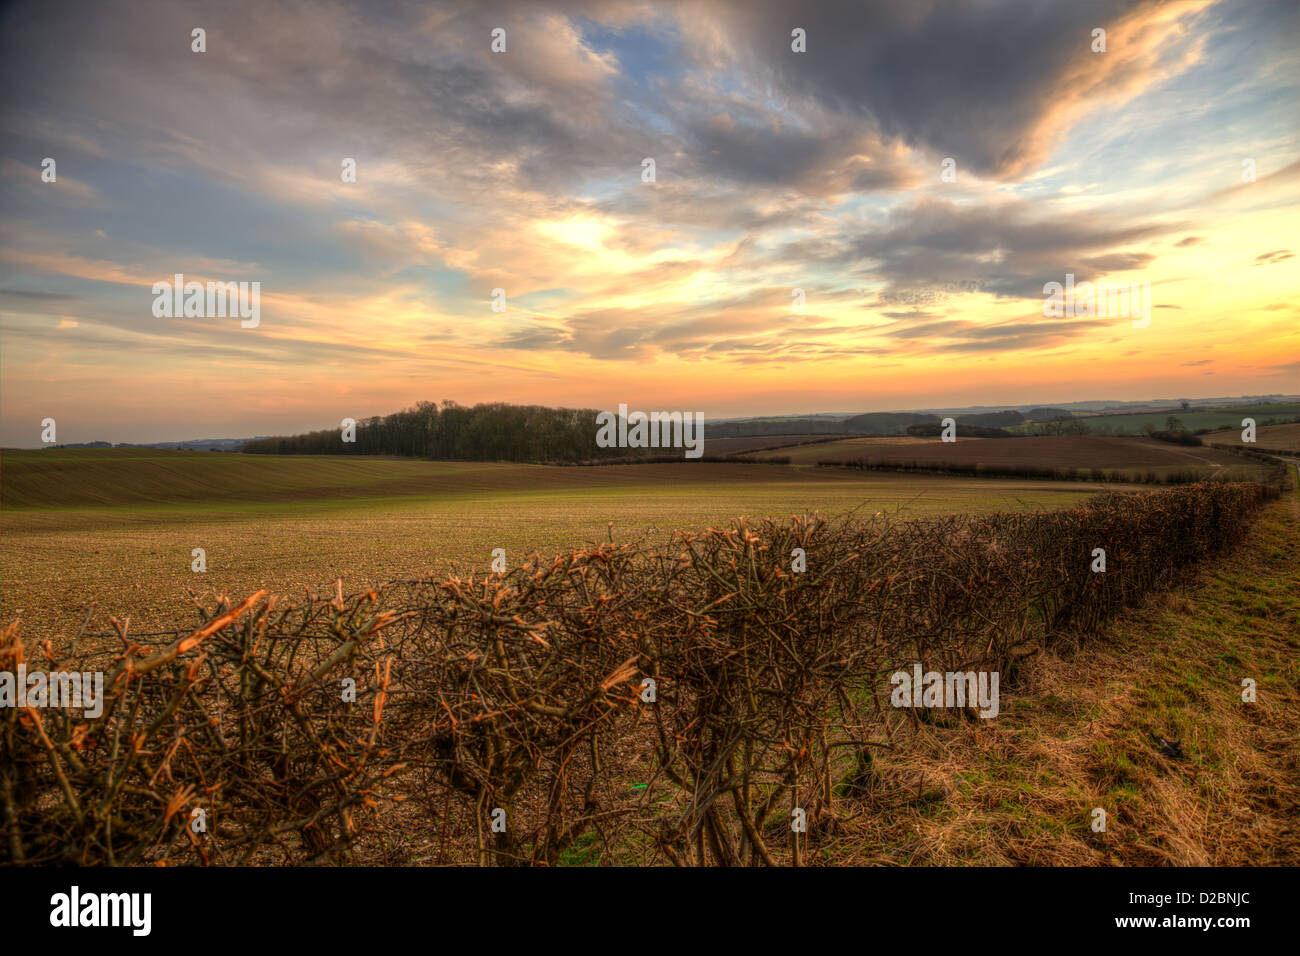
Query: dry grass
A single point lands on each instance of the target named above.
(1076, 733)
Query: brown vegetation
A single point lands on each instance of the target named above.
(526, 692)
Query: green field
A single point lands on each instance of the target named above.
(116, 528)
(1193, 419)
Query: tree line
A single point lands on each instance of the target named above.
(493, 431)
(499, 431)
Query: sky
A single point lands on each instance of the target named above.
(920, 170)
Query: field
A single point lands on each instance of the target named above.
(1193, 419)
(1128, 455)
(1279, 437)
(526, 693)
(115, 528)
(775, 445)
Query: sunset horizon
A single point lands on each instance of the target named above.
(844, 226)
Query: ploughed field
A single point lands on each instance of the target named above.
(113, 529)
(1132, 456)
(1279, 437)
(775, 445)
(1135, 423)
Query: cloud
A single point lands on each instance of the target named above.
(1003, 248)
(1286, 179)
(994, 85)
(1119, 261)
(522, 171)
(33, 296)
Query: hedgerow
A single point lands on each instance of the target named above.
(620, 703)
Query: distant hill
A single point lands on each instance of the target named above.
(875, 424)
(991, 419)
(196, 444)
(1193, 420)
(193, 444)
(1047, 414)
(886, 423)
(777, 426)
(1103, 415)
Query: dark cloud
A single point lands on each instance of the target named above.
(821, 158)
(38, 296)
(1012, 336)
(1007, 248)
(931, 329)
(981, 82)
(288, 82)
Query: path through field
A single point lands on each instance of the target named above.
(1295, 499)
